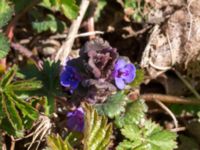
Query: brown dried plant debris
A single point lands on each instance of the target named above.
(175, 43)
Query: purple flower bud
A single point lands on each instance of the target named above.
(123, 73)
(75, 120)
(70, 78)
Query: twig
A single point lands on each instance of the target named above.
(89, 33)
(27, 53)
(189, 86)
(170, 47)
(178, 129)
(169, 99)
(90, 21)
(12, 147)
(168, 111)
(65, 49)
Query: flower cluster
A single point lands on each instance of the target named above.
(95, 75)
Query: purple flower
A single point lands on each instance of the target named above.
(123, 73)
(75, 120)
(70, 78)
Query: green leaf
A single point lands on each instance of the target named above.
(4, 46)
(8, 77)
(149, 136)
(55, 142)
(7, 127)
(114, 105)
(138, 79)
(11, 112)
(20, 4)
(48, 24)
(25, 108)
(5, 13)
(25, 85)
(49, 77)
(97, 132)
(135, 111)
(2, 114)
(69, 8)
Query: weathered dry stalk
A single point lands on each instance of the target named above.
(169, 99)
(65, 49)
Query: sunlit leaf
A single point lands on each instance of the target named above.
(55, 142)
(135, 111)
(5, 13)
(149, 136)
(97, 132)
(138, 79)
(114, 105)
(69, 8)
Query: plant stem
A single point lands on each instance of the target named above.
(169, 99)
(65, 49)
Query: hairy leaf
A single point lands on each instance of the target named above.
(5, 13)
(97, 132)
(149, 136)
(135, 111)
(114, 105)
(4, 46)
(55, 142)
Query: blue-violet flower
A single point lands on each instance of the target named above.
(75, 120)
(70, 78)
(123, 73)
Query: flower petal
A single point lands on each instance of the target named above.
(130, 73)
(120, 83)
(120, 64)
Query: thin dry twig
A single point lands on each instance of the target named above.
(27, 53)
(169, 112)
(179, 129)
(12, 147)
(65, 49)
(169, 99)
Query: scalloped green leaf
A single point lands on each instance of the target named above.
(4, 46)
(135, 111)
(97, 132)
(55, 142)
(5, 13)
(149, 136)
(114, 105)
